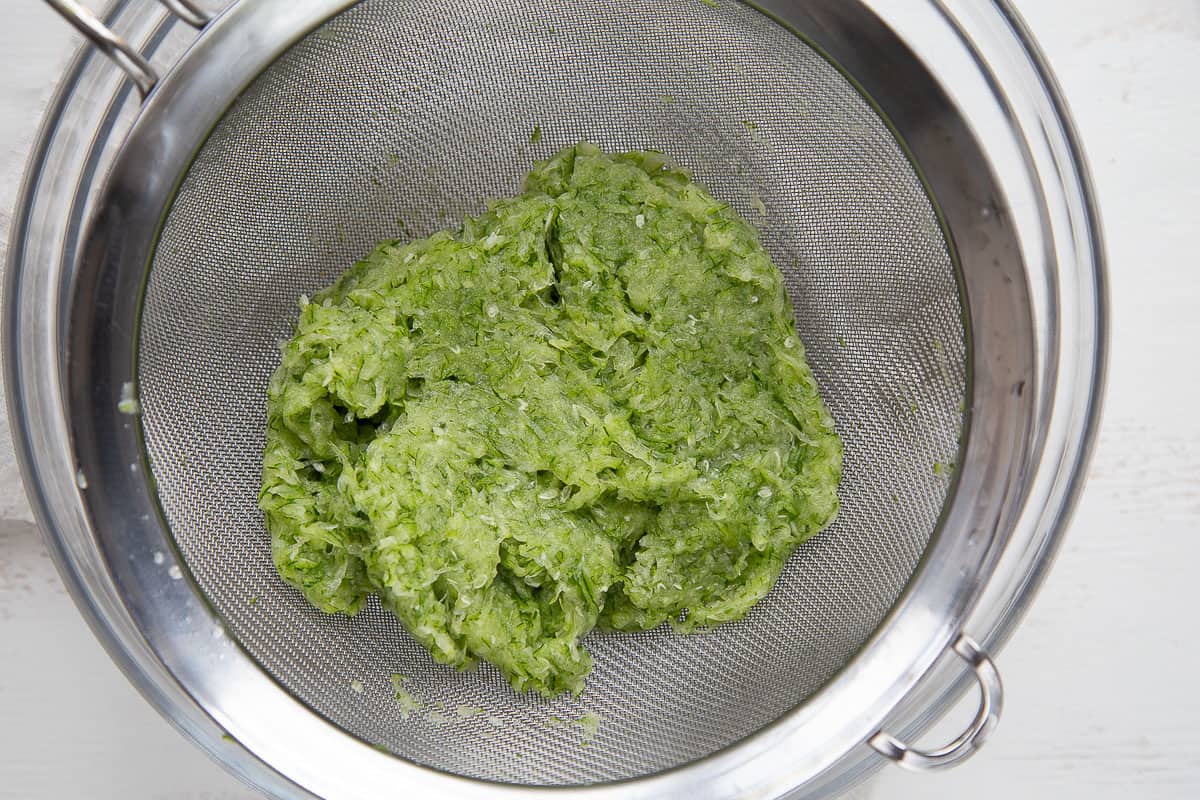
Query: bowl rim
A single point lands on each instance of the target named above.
(46, 446)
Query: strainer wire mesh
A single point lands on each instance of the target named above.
(398, 118)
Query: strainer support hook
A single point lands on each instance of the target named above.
(969, 742)
(119, 51)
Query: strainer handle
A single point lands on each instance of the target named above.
(119, 51)
(962, 748)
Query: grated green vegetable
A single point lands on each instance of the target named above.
(128, 402)
(586, 407)
(589, 723)
(407, 702)
(752, 127)
(758, 203)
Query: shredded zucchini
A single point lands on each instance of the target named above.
(588, 406)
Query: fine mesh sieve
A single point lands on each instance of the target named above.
(398, 118)
(909, 166)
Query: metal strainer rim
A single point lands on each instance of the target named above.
(951, 565)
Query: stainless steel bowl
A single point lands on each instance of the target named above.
(958, 85)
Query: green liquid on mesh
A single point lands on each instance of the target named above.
(588, 407)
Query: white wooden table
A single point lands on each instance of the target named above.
(1101, 679)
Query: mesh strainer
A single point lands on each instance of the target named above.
(292, 136)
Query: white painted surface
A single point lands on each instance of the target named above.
(1101, 678)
